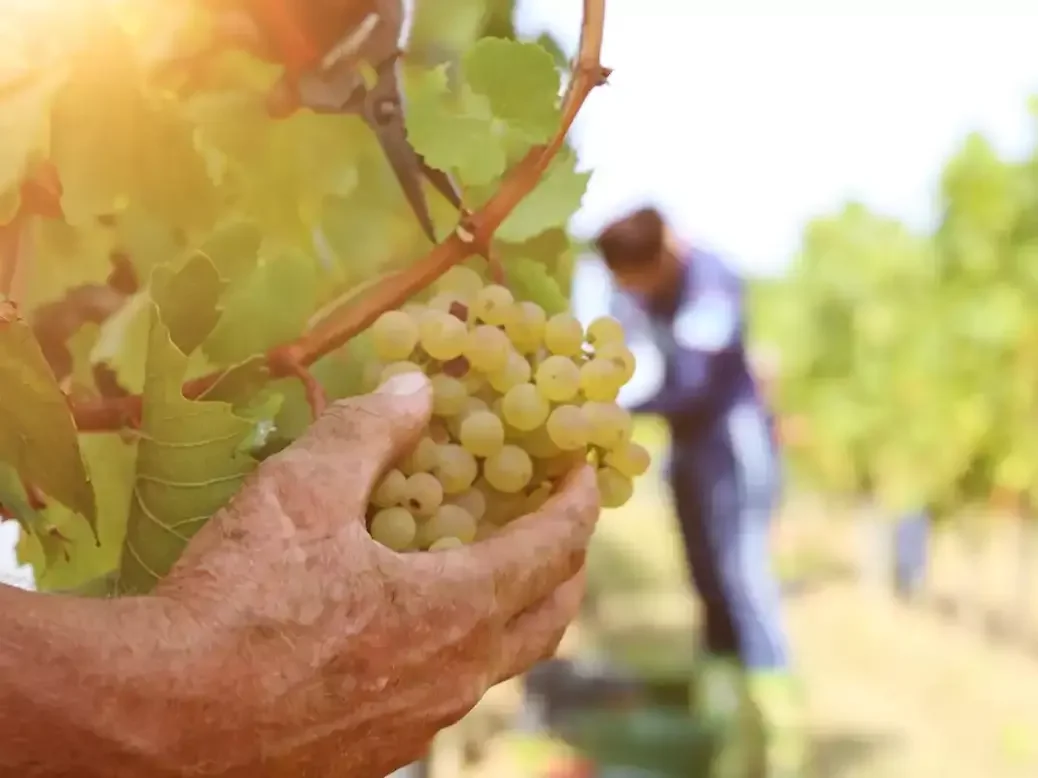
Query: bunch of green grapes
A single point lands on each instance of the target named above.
(519, 398)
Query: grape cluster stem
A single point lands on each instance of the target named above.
(472, 237)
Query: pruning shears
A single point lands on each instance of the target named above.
(355, 73)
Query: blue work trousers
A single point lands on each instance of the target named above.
(726, 484)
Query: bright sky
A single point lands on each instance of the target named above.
(745, 125)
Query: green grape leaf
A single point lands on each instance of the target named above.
(64, 257)
(239, 384)
(123, 342)
(552, 248)
(233, 249)
(365, 234)
(529, 280)
(268, 307)
(189, 460)
(61, 549)
(449, 25)
(453, 135)
(551, 204)
(282, 169)
(341, 375)
(551, 46)
(125, 337)
(80, 346)
(114, 141)
(37, 431)
(24, 120)
(189, 324)
(520, 83)
(146, 241)
(14, 499)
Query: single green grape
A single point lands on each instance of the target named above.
(516, 371)
(609, 424)
(524, 408)
(600, 380)
(603, 330)
(509, 470)
(422, 459)
(460, 280)
(394, 528)
(563, 335)
(390, 490)
(621, 356)
(472, 500)
(525, 327)
(394, 336)
(486, 348)
(568, 428)
(629, 458)
(482, 433)
(492, 304)
(614, 488)
(558, 379)
(422, 494)
(472, 404)
(449, 521)
(455, 468)
(449, 395)
(441, 335)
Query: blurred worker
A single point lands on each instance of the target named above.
(724, 472)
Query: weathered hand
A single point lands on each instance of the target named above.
(324, 653)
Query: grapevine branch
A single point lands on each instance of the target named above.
(472, 236)
(10, 250)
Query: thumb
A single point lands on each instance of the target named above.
(339, 459)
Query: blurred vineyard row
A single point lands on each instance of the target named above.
(909, 361)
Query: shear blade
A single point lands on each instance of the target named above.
(442, 182)
(408, 170)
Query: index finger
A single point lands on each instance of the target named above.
(535, 554)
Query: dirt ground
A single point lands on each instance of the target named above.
(895, 690)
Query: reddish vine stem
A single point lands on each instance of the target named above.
(473, 236)
(10, 251)
(316, 397)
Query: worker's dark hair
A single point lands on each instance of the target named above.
(636, 240)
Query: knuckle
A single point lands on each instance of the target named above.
(356, 414)
(473, 693)
(554, 642)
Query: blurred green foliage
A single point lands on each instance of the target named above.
(910, 359)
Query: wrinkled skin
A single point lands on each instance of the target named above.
(315, 651)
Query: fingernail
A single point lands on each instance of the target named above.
(403, 385)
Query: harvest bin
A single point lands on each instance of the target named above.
(619, 718)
